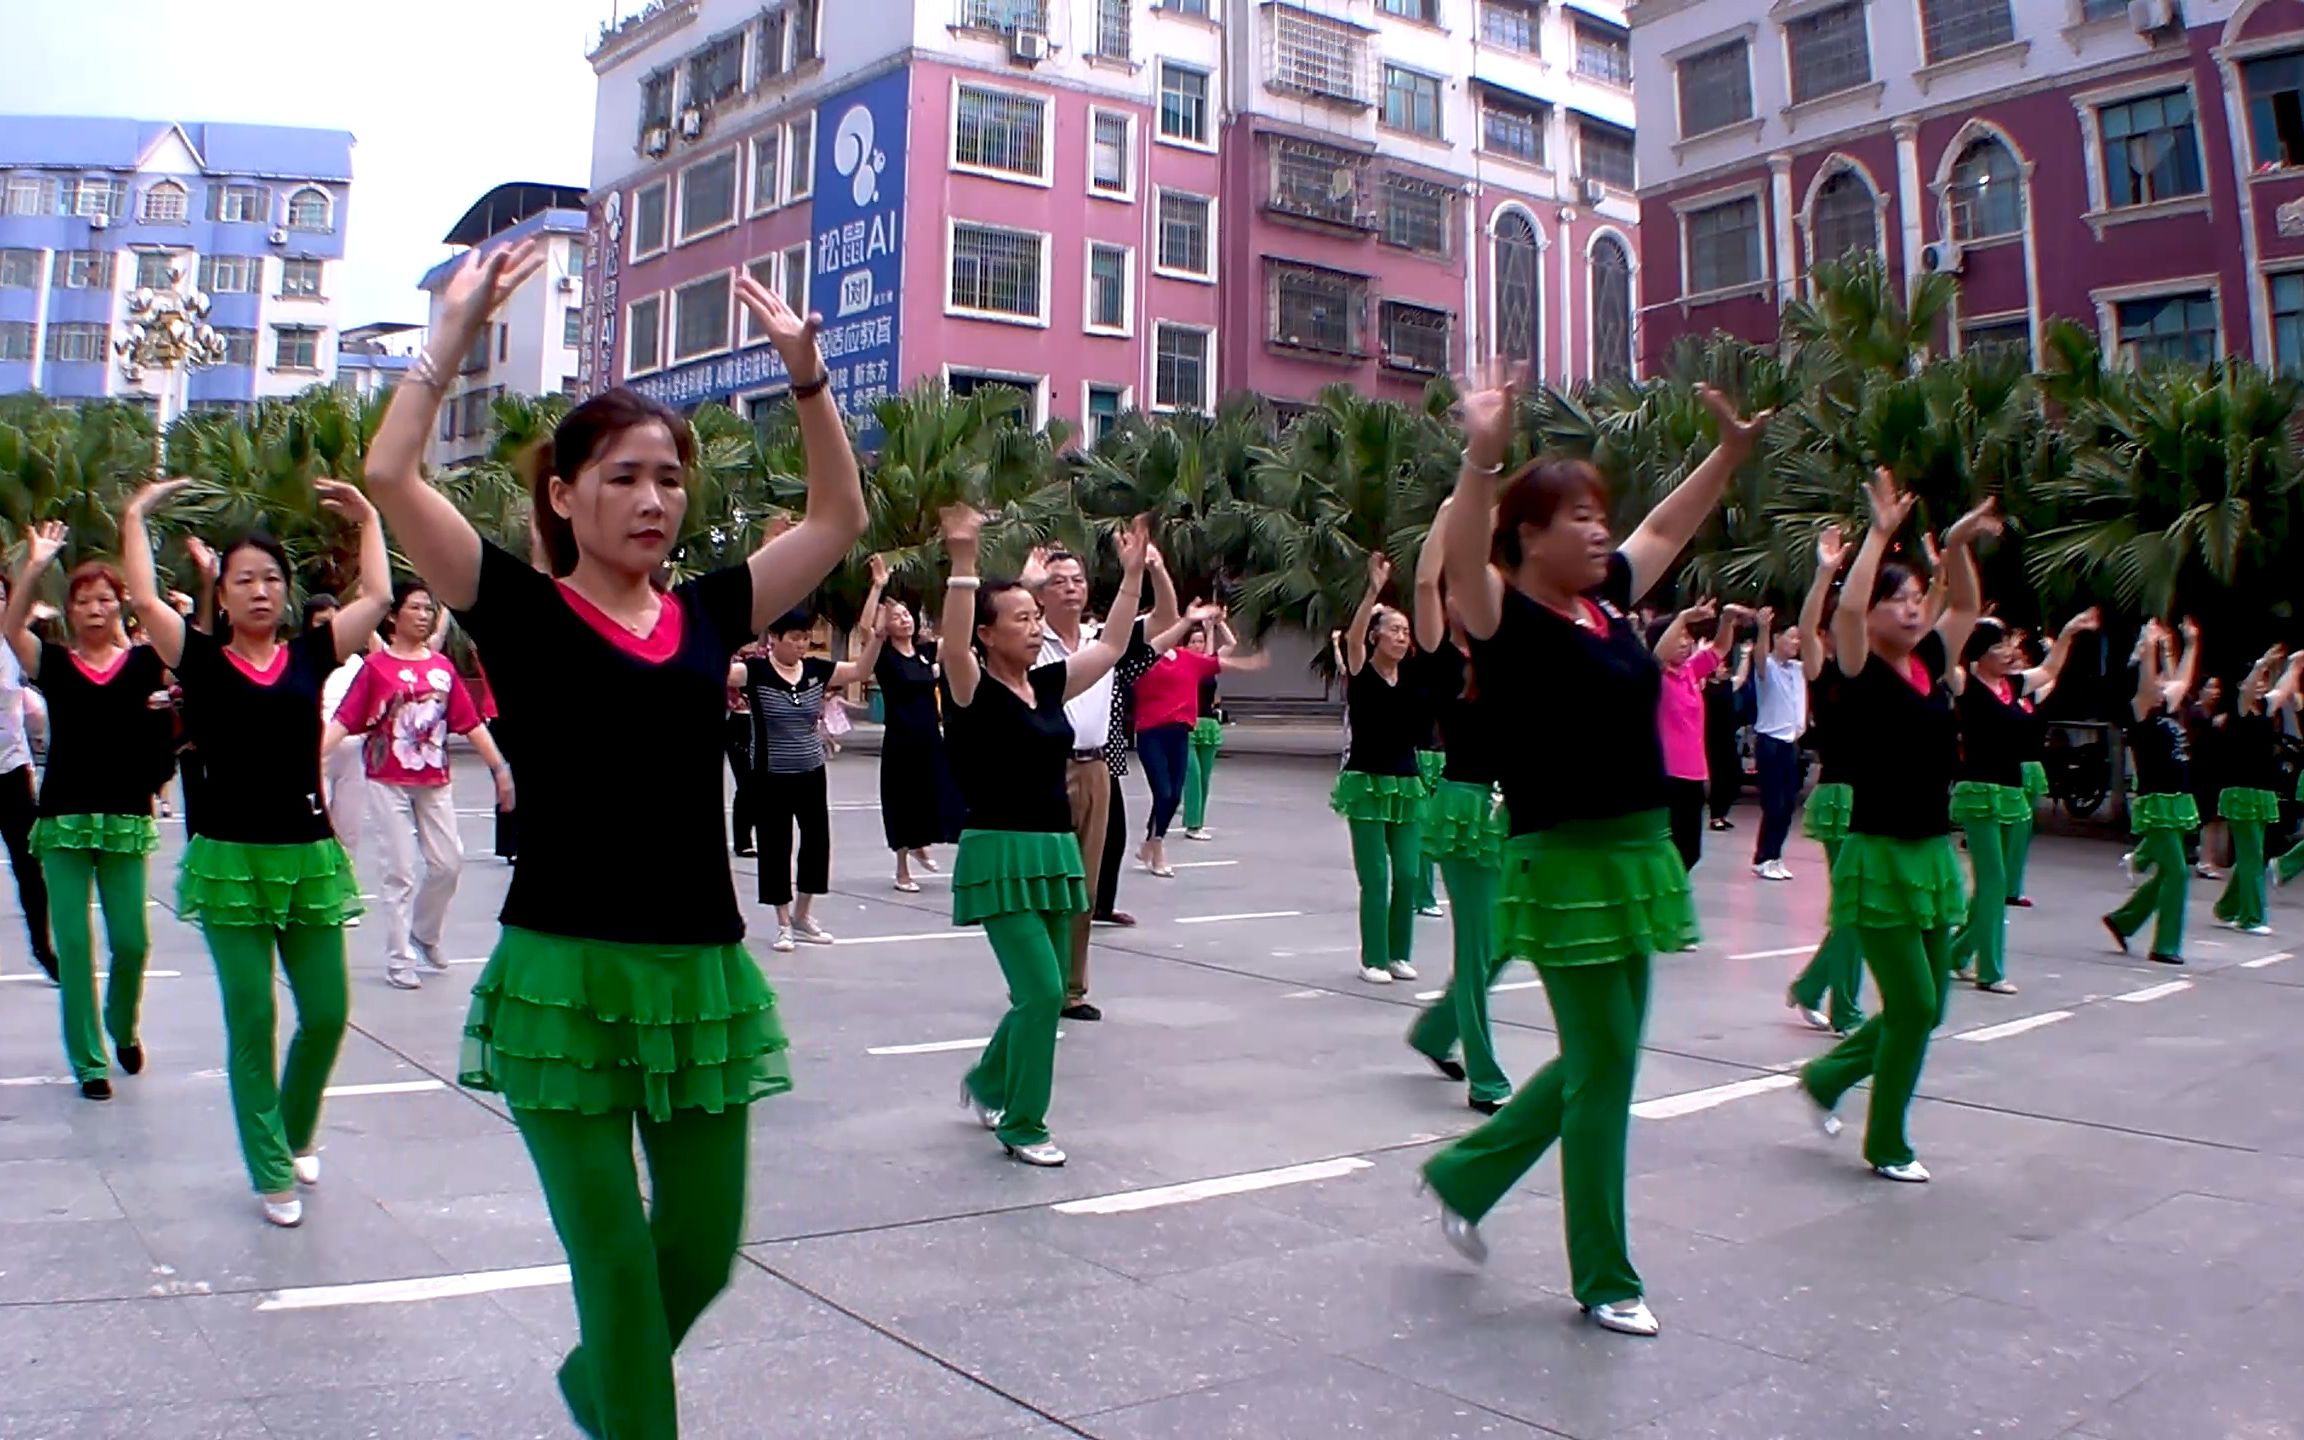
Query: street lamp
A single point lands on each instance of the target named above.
(168, 332)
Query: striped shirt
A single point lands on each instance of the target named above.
(785, 740)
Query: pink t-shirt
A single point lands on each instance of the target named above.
(1169, 692)
(1680, 715)
(407, 708)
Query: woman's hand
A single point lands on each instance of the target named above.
(1739, 434)
(42, 544)
(1489, 404)
(1698, 613)
(204, 557)
(346, 502)
(505, 799)
(1379, 571)
(478, 288)
(1831, 549)
(1890, 505)
(962, 525)
(1983, 520)
(794, 336)
(2088, 619)
(877, 568)
(154, 496)
(1134, 544)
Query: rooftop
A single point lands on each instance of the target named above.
(509, 204)
(80, 142)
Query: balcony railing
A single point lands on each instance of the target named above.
(1002, 15)
(1317, 183)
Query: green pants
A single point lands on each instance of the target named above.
(1583, 1099)
(1837, 966)
(1461, 1012)
(2241, 904)
(2291, 863)
(279, 1114)
(1018, 1069)
(2161, 897)
(1199, 768)
(1912, 971)
(1984, 939)
(2019, 853)
(641, 1274)
(118, 881)
(1385, 857)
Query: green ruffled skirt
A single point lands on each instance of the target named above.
(1464, 821)
(227, 882)
(1979, 800)
(1013, 872)
(1826, 817)
(1392, 799)
(103, 834)
(2035, 781)
(2240, 803)
(597, 1027)
(1208, 733)
(1593, 891)
(1429, 764)
(1884, 883)
(2162, 812)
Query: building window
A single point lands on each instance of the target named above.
(1415, 337)
(1954, 28)
(166, 203)
(717, 71)
(1196, 8)
(1317, 182)
(2151, 150)
(1005, 15)
(1184, 238)
(1181, 376)
(2288, 323)
(1724, 245)
(1315, 55)
(765, 273)
(800, 157)
(795, 289)
(240, 204)
(767, 168)
(299, 279)
(1829, 51)
(997, 272)
(1113, 41)
(1317, 309)
(768, 62)
(2179, 328)
(295, 347)
(2103, 9)
(94, 195)
(1183, 104)
(1511, 25)
(807, 16)
(19, 269)
(230, 274)
(72, 341)
(1419, 216)
(1843, 219)
(1513, 128)
(29, 195)
(1109, 169)
(759, 409)
(476, 412)
(239, 346)
(707, 196)
(1412, 101)
(2014, 334)
(648, 215)
(476, 358)
(2275, 87)
(575, 259)
(1603, 52)
(1103, 411)
(1716, 88)
(1427, 11)
(572, 326)
(1986, 193)
(84, 269)
(700, 317)
(308, 209)
(1604, 153)
(15, 340)
(656, 104)
(155, 270)
(1519, 304)
(644, 335)
(1611, 310)
(1108, 288)
(1000, 132)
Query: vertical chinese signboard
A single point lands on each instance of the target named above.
(603, 260)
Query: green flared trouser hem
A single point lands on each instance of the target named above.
(2237, 802)
(1836, 969)
(2242, 904)
(1017, 872)
(1583, 1099)
(1200, 769)
(270, 887)
(1429, 766)
(2035, 781)
(601, 1028)
(278, 1111)
(2160, 897)
(1884, 883)
(1591, 892)
(118, 880)
(1826, 817)
(1388, 799)
(1460, 1015)
(1464, 821)
(1386, 856)
(2162, 812)
(1992, 845)
(1979, 800)
(1016, 1074)
(137, 835)
(1911, 969)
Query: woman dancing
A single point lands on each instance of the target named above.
(919, 805)
(1896, 882)
(108, 751)
(1208, 729)
(2250, 800)
(1381, 791)
(265, 875)
(1695, 644)
(620, 995)
(2162, 811)
(1168, 717)
(1837, 967)
(1592, 887)
(1019, 872)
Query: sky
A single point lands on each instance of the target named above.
(446, 99)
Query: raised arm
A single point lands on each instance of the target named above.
(787, 568)
(153, 612)
(2188, 666)
(1168, 639)
(1467, 528)
(2041, 678)
(1831, 553)
(2150, 693)
(1094, 660)
(210, 567)
(364, 609)
(1165, 609)
(1701, 610)
(42, 544)
(1764, 631)
(1851, 645)
(1963, 590)
(849, 672)
(1356, 633)
(1724, 638)
(1431, 616)
(2282, 696)
(956, 631)
(1651, 549)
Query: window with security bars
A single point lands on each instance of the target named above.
(1724, 245)
(15, 340)
(995, 271)
(1604, 153)
(1412, 101)
(1316, 182)
(1716, 88)
(1000, 131)
(2151, 150)
(1183, 103)
(1953, 28)
(717, 71)
(2288, 322)
(1419, 215)
(1184, 233)
(1511, 25)
(1315, 55)
(644, 335)
(1113, 38)
(768, 52)
(1512, 128)
(1180, 368)
(806, 21)
(1107, 287)
(1830, 51)
(1611, 310)
(1519, 299)
(1316, 309)
(166, 204)
(295, 347)
(308, 209)
(1415, 338)
(2176, 328)
(707, 195)
(77, 341)
(656, 101)
(700, 317)
(1986, 193)
(19, 269)
(1108, 154)
(1603, 52)
(1005, 14)
(1844, 218)
(83, 269)
(2014, 334)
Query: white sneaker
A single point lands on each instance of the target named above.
(808, 932)
(1819, 1114)
(2255, 929)
(2207, 871)
(308, 1169)
(1375, 975)
(1771, 870)
(1911, 1172)
(287, 1214)
(1625, 1317)
(429, 957)
(783, 943)
(1814, 1018)
(400, 979)
(1203, 833)
(1401, 970)
(1045, 1154)
(1430, 912)
(2128, 867)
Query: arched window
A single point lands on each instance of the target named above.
(1519, 310)
(1611, 310)
(1987, 192)
(1843, 218)
(308, 209)
(164, 204)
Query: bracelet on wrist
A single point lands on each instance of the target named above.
(812, 387)
(964, 582)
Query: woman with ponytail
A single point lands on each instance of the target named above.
(2250, 799)
(1837, 967)
(1381, 792)
(2162, 811)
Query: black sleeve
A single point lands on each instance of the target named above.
(53, 658)
(315, 651)
(722, 602)
(510, 595)
(755, 669)
(1139, 652)
(819, 669)
(1931, 653)
(1048, 683)
(1616, 586)
(144, 667)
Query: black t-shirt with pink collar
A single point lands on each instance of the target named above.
(623, 836)
(108, 749)
(258, 733)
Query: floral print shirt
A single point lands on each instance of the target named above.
(407, 709)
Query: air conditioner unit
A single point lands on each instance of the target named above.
(1593, 191)
(1942, 258)
(2146, 16)
(567, 284)
(1029, 46)
(691, 122)
(656, 139)
(99, 221)
(277, 237)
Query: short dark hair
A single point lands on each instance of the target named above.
(400, 594)
(321, 605)
(581, 435)
(797, 618)
(1988, 633)
(260, 541)
(1534, 495)
(987, 610)
(1894, 575)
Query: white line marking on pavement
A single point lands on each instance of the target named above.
(470, 960)
(2013, 1027)
(1493, 989)
(1672, 1107)
(2263, 960)
(423, 1287)
(1309, 995)
(1201, 864)
(932, 1047)
(384, 1087)
(1243, 915)
(2154, 992)
(1133, 1200)
(903, 939)
(13, 1081)
(1775, 954)
(101, 975)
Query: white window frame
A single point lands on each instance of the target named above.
(1207, 404)
(281, 332)
(805, 251)
(1834, 164)
(665, 245)
(734, 154)
(2090, 106)
(1127, 325)
(1997, 318)
(1685, 206)
(768, 270)
(1807, 9)
(327, 223)
(319, 278)
(2108, 300)
(1034, 387)
(1045, 176)
(806, 184)
(183, 198)
(952, 224)
(775, 172)
(1127, 190)
(1168, 272)
(167, 260)
(631, 330)
(1206, 145)
(1088, 388)
(262, 196)
(673, 356)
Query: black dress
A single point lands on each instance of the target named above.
(919, 803)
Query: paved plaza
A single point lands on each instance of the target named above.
(2110, 1248)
